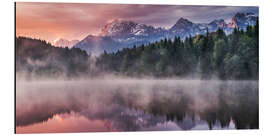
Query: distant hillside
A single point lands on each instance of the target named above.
(39, 58)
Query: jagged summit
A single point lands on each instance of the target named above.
(182, 22)
(126, 29)
(118, 26)
(217, 21)
(243, 19)
(183, 28)
(244, 15)
(126, 33)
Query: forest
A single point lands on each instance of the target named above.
(208, 56)
(234, 56)
(36, 58)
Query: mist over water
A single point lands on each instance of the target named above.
(129, 104)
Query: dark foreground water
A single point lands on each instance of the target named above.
(135, 105)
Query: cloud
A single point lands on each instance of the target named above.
(76, 20)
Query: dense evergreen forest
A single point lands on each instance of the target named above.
(39, 58)
(215, 54)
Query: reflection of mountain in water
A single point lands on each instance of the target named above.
(132, 105)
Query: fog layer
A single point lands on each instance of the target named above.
(171, 100)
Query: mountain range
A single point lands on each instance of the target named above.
(120, 34)
(65, 43)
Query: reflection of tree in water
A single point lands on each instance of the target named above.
(239, 104)
(172, 107)
(131, 108)
(246, 113)
(44, 112)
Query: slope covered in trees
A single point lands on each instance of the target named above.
(39, 58)
(216, 54)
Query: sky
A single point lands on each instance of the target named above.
(51, 21)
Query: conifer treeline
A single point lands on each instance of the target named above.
(39, 58)
(233, 56)
(215, 54)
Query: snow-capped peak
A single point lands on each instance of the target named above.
(118, 26)
(126, 29)
(60, 42)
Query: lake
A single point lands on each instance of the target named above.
(108, 105)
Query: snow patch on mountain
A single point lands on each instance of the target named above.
(64, 43)
(119, 34)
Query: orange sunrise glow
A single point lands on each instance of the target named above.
(74, 21)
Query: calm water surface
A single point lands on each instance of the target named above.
(135, 105)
